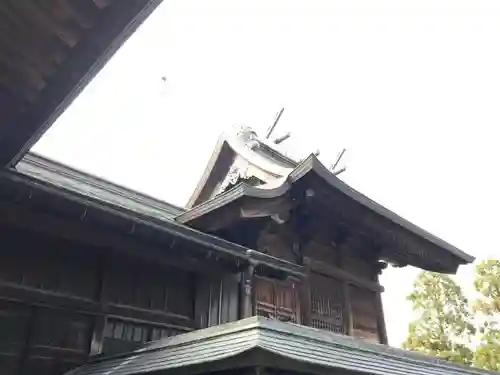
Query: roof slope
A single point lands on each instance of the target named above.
(283, 342)
(63, 176)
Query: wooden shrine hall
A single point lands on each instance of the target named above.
(272, 266)
(111, 270)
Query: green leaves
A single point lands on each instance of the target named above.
(449, 326)
(443, 327)
(487, 354)
(487, 312)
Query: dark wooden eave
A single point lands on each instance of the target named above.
(258, 342)
(313, 167)
(61, 175)
(49, 51)
(61, 210)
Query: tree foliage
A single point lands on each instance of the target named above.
(487, 310)
(444, 326)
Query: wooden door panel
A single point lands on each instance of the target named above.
(277, 299)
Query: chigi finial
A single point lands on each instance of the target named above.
(334, 166)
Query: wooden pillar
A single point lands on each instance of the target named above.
(305, 299)
(347, 309)
(97, 340)
(382, 332)
(247, 308)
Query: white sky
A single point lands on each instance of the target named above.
(411, 88)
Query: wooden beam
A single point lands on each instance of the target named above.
(144, 315)
(20, 216)
(255, 208)
(329, 270)
(38, 297)
(117, 23)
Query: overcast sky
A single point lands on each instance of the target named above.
(410, 88)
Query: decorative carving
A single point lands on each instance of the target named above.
(248, 136)
(380, 267)
(247, 282)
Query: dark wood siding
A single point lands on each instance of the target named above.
(149, 287)
(217, 300)
(47, 264)
(365, 314)
(61, 301)
(14, 327)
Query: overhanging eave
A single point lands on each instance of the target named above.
(313, 167)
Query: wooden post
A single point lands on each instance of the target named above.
(305, 299)
(247, 309)
(96, 344)
(347, 309)
(97, 340)
(382, 332)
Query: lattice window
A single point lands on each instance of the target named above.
(124, 336)
(136, 332)
(277, 300)
(326, 303)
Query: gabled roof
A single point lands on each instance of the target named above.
(269, 343)
(312, 166)
(50, 51)
(230, 145)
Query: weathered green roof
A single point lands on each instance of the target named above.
(259, 341)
